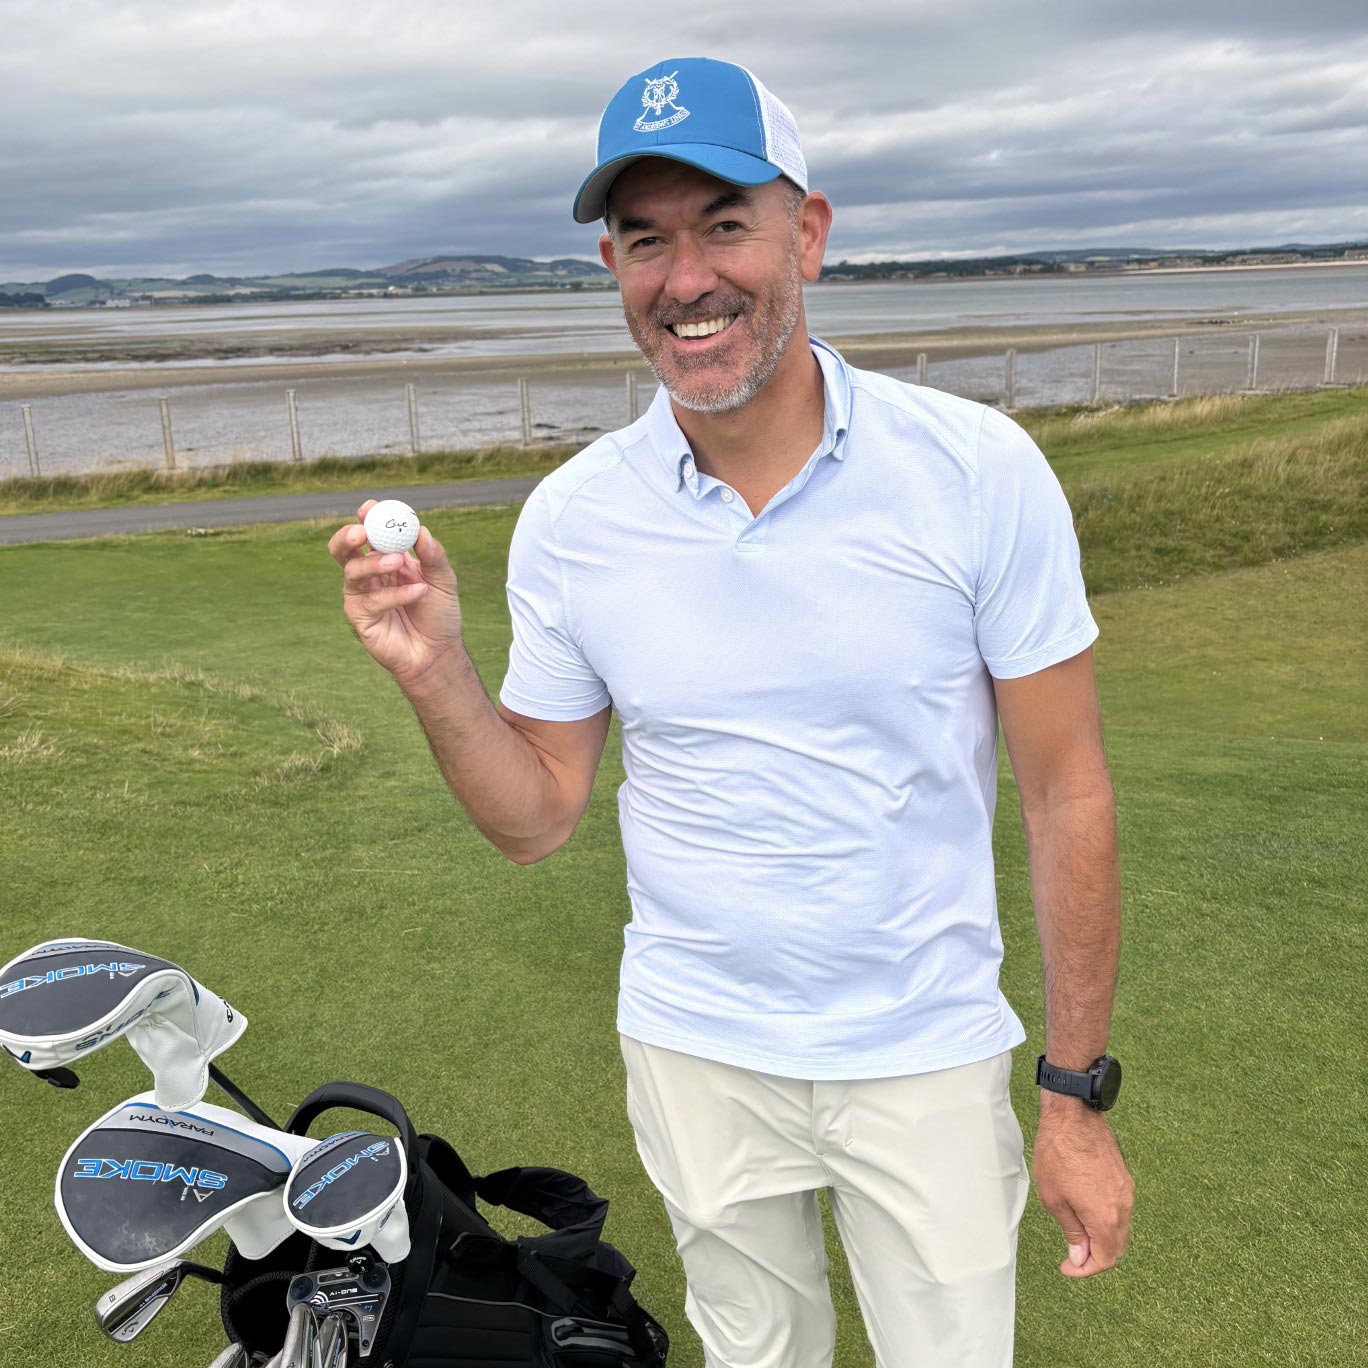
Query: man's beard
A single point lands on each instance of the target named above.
(774, 322)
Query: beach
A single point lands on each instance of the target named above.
(197, 359)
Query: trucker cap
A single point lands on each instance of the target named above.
(709, 114)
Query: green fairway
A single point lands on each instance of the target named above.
(198, 759)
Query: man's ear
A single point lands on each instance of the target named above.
(813, 227)
(608, 251)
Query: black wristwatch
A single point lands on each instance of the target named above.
(1099, 1087)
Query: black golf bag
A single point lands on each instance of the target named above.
(465, 1295)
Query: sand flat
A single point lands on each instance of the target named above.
(872, 351)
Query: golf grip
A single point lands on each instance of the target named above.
(358, 1097)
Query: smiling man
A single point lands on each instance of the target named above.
(810, 593)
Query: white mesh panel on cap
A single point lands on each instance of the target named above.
(781, 134)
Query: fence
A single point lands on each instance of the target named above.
(228, 422)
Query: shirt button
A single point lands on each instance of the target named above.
(688, 469)
(727, 496)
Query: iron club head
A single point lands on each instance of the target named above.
(234, 1356)
(332, 1342)
(300, 1349)
(125, 1311)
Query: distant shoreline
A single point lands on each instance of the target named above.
(874, 351)
(1055, 276)
(610, 285)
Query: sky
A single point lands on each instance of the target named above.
(168, 138)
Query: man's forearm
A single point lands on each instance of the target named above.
(493, 770)
(1076, 888)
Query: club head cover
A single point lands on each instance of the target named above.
(348, 1192)
(64, 999)
(143, 1184)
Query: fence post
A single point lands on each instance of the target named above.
(526, 401)
(1011, 377)
(921, 368)
(1331, 355)
(295, 452)
(167, 443)
(415, 440)
(1252, 381)
(633, 409)
(27, 411)
(1173, 388)
(1097, 373)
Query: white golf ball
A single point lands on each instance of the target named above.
(391, 526)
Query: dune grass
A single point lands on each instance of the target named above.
(154, 485)
(197, 758)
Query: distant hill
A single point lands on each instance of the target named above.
(474, 272)
(65, 284)
(493, 270)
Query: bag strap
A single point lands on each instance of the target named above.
(557, 1199)
(565, 1300)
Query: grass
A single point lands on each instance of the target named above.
(122, 488)
(198, 758)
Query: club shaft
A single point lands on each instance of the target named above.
(227, 1085)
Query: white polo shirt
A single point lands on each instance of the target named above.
(808, 723)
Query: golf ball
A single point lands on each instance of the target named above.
(391, 526)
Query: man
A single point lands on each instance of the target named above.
(810, 592)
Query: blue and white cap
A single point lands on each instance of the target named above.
(712, 115)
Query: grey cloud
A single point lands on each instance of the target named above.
(244, 137)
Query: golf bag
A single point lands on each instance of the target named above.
(465, 1295)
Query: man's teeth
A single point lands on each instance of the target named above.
(713, 325)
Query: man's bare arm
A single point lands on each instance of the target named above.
(1053, 728)
(524, 782)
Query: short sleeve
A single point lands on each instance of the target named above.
(548, 676)
(1030, 606)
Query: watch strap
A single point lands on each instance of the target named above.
(1070, 1082)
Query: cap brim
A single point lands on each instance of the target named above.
(740, 168)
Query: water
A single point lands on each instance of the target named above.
(513, 325)
(349, 416)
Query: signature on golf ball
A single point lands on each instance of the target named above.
(391, 526)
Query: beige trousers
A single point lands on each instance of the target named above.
(926, 1178)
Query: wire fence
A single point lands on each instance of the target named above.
(339, 416)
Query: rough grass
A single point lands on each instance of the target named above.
(102, 721)
(113, 489)
(1276, 499)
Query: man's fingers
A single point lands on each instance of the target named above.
(1073, 1230)
(379, 601)
(365, 508)
(345, 541)
(359, 569)
(1096, 1250)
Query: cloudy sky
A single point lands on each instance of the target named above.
(174, 136)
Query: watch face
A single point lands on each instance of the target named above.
(1109, 1085)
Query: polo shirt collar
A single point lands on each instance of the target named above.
(672, 446)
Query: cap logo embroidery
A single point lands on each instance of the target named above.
(660, 91)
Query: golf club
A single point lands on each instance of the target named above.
(234, 1356)
(332, 1342)
(300, 1349)
(358, 1293)
(125, 1311)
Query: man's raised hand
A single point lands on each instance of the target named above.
(403, 608)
